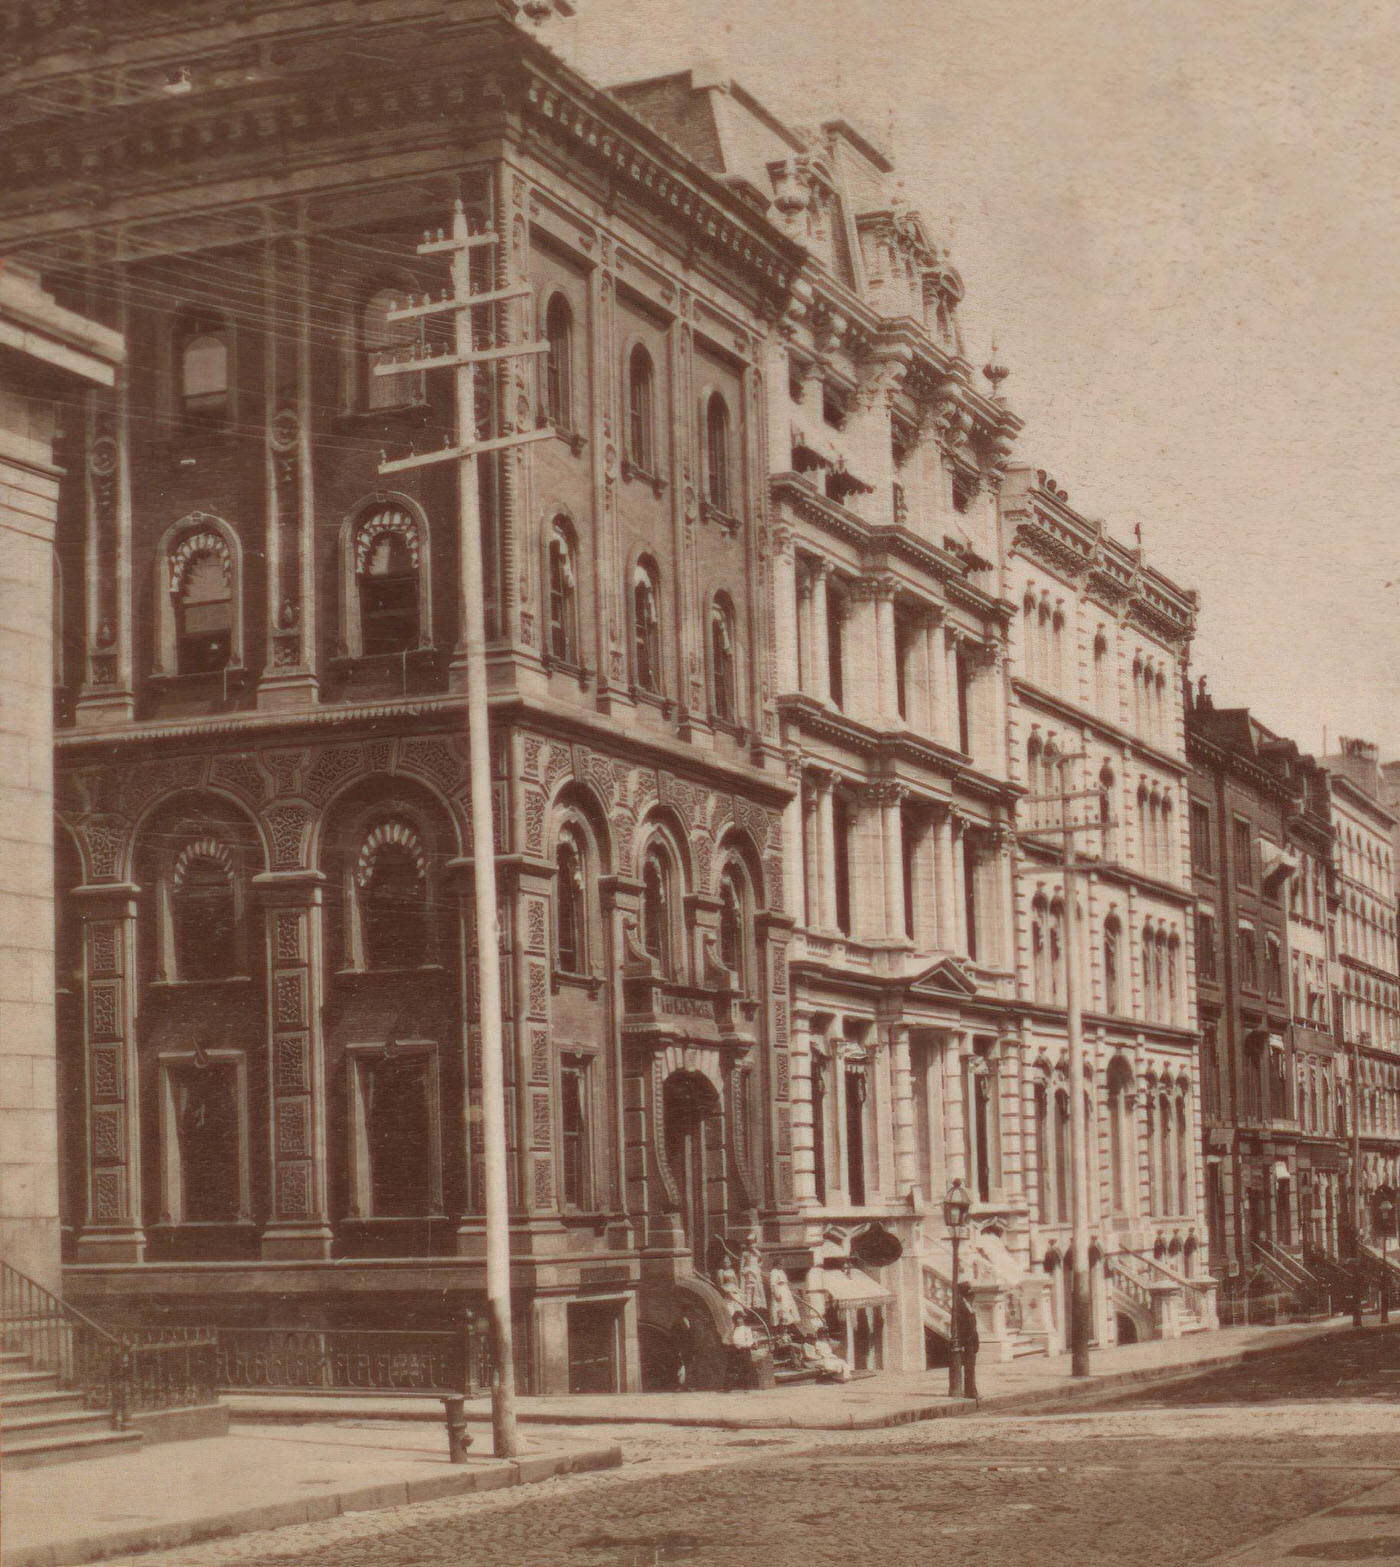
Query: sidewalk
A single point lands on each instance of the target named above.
(258, 1477)
(886, 1399)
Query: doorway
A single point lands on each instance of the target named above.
(690, 1112)
(595, 1346)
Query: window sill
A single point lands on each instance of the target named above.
(632, 470)
(712, 513)
(560, 980)
(361, 416)
(725, 726)
(571, 438)
(381, 973)
(652, 699)
(437, 1217)
(205, 1224)
(234, 675)
(563, 666)
(199, 984)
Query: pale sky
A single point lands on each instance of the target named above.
(1180, 222)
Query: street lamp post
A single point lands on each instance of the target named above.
(956, 1207)
(1385, 1215)
(1359, 1269)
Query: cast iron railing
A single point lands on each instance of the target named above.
(126, 1372)
(311, 1360)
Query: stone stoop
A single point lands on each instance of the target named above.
(41, 1423)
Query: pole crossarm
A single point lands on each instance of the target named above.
(478, 356)
(498, 443)
(435, 307)
(444, 243)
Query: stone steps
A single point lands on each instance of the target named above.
(42, 1423)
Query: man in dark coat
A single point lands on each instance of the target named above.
(968, 1340)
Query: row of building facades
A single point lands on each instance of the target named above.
(801, 682)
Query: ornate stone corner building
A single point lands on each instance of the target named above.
(265, 856)
(1098, 654)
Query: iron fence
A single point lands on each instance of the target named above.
(314, 1360)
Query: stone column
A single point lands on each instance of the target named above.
(960, 883)
(785, 611)
(299, 1226)
(113, 1230)
(925, 887)
(794, 825)
(804, 1178)
(818, 670)
(887, 651)
(948, 732)
(1005, 844)
(891, 812)
(860, 650)
(824, 862)
(865, 859)
(905, 1154)
(945, 883)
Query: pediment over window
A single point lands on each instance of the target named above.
(947, 977)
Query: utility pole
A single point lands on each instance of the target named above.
(1065, 829)
(1359, 1280)
(462, 306)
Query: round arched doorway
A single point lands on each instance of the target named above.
(690, 1118)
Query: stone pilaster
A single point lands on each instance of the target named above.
(299, 1226)
(112, 1231)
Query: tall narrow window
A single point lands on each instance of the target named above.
(570, 953)
(388, 585)
(819, 1125)
(857, 1085)
(392, 882)
(381, 342)
(1112, 961)
(1119, 1112)
(398, 1131)
(203, 912)
(203, 595)
(204, 372)
(1103, 685)
(657, 909)
(573, 1134)
(718, 479)
(732, 923)
(1045, 1154)
(1040, 948)
(646, 628)
(841, 869)
(207, 1136)
(641, 410)
(722, 671)
(1062, 1152)
(559, 362)
(835, 650)
(563, 597)
(971, 866)
(964, 683)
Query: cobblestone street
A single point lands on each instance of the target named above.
(1165, 1478)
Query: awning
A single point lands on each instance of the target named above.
(1281, 1171)
(850, 1291)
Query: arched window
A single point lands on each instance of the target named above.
(1103, 685)
(1040, 959)
(381, 341)
(733, 921)
(646, 628)
(1112, 962)
(1108, 836)
(204, 371)
(559, 362)
(1183, 1159)
(724, 684)
(658, 908)
(718, 485)
(1028, 636)
(641, 410)
(1120, 1141)
(1149, 996)
(386, 559)
(1173, 962)
(202, 596)
(563, 596)
(391, 878)
(1044, 1142)
(570, 920)
(203, 911)
(1057, 950)
(1062, 1157)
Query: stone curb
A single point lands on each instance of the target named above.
(277, 1515)
(1066, 1391)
